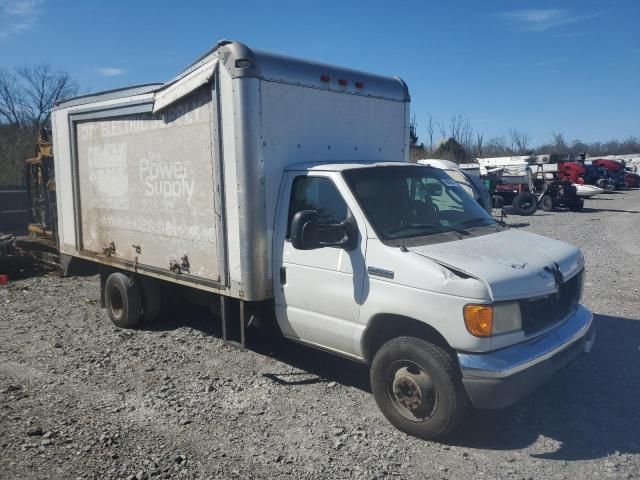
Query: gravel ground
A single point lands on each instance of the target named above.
(82, 399)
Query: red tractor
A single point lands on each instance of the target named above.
(572, 171)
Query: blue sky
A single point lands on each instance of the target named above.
(537, 66)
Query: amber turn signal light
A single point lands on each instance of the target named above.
(479, 319)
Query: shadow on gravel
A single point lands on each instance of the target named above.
(595, 210)
(518, 225)
(590, 408)
(318, 366)
(322, 366)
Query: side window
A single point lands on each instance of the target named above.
(320, 194)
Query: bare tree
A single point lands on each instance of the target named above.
(430, 131)
(413, 134)
(28, 96)
(11, 99)
(496, 146)
(43, 88)
(466, 135)
(559, 145)
(456, 126)
(479, 139)
(519, 141)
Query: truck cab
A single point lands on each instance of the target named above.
(396, 266)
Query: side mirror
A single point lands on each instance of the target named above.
(347, 231)
(307, 233)
(304, 230)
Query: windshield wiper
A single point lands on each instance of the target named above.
(471, 221)
(414, 226)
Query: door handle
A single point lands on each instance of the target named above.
(283, 275)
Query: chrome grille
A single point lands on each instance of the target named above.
(539, 313)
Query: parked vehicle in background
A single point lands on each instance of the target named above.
(587, 191)
(271, 188)
(610, 170)
(471, 183)
(575, 172)
(552, 192)
(631, 179)
(512, 186)
(599, 176)
(41, 189)
(571, 171)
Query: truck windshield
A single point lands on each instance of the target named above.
(413, 201)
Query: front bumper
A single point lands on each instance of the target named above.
(501, 378)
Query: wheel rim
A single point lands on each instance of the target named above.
(115, 302)
(411, 391)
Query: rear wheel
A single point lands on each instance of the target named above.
(547, 203)
(417, 387)
(122, 299)
(525, 203)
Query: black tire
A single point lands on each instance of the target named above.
(525, 203)
(122, 299)
(154, 304)
(546, 203)
(577, 205)
(399, 384)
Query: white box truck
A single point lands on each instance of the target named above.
(277, 186)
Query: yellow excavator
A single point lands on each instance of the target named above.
(20, 254)
(41, 189)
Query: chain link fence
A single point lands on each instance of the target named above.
(10, 172)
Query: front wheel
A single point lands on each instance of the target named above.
(547, 203)
(417, 386)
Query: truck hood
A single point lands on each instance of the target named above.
(512, 264)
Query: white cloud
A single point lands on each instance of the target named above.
(541, 20)
(18, 16)
(109, 71)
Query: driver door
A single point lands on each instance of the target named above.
(317, 292)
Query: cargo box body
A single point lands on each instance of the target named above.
(180, 180)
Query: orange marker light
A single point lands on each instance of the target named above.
(479, 319)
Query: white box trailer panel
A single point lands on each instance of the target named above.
(147, 187)
(187, 174)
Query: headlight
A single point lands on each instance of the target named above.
(506, 317)
(487, 320)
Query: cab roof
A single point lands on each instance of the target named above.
(350, 165)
